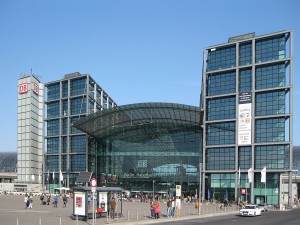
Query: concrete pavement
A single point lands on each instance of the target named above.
(12, 212)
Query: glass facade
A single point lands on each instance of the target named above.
(67, 101)
(134, 146)
(235, 140)
(244, 122)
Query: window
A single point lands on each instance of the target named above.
(73, 129)
(272, 156)
(221, 108)
(53, 127)
(78, 87)
(220, 133)
(78, 163)
(65, 89)
(270, 76)
(245, 80)
(245, 57)
(245, 157)
(78, 105)
(221, 58)
(221, 83)
(52, 145)
(270, 49)
(78, 144)
(270, 103)
(53, 92)
(53, 109)
(270, 130)
(220, 158)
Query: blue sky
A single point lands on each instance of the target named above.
(137, 50)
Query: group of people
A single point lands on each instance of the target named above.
(45, 200)
(170, 208)
(155, 209)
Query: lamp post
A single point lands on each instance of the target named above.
(200, 189)
(153, 191)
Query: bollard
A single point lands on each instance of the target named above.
(40, 221)
(107, 218)
(137, 215)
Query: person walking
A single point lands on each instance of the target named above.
(173, 208)
(55, 198)
(48, 199)
(65, 200)
(169, 208)
(26, 202)
(156, 210)
(30, 202)
(152, 209)
(112, 204)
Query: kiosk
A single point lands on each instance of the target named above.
(80, 201)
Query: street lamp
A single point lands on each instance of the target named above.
(200, 184)
(153, 191)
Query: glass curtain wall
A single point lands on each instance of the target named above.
(260, 68)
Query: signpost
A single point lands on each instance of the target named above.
(93, 184)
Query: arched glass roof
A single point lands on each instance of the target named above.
(140, 122)
(8, 161)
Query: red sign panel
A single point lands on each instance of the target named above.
(243, 191)
(36, 88)
(23, 88)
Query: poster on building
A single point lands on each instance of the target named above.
(79, 203)
(103, 201)
(244, 118)
(178, 190)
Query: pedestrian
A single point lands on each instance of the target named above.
(55, 198)
(65, 200)
(89, 201)
(25, 202)
(152, 209)
(156, 210)
(169, 208)
(173, 207)
(30, 202)
(48, 199)
(112, 204)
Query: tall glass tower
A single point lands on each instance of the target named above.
(247, 125)
(67, 101)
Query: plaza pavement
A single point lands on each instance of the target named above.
(12, 212)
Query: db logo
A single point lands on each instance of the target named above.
(23, 88)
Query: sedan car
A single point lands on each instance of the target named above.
(263, 207)
(250, 210)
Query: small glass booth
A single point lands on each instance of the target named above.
(82, 208)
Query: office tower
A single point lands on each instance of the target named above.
(247, 125)
(68, 100)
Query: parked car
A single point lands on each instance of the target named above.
(250, 210)
(263, 207)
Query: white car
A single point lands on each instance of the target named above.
(263, 207)
(250, 210)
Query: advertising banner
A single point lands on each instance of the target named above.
(178, 190)
(79, 203)
(244, 118)
(103, 201)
